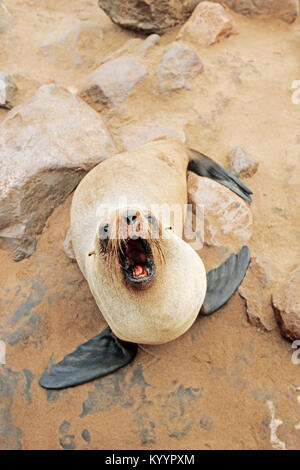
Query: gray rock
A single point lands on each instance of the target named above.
(7, 91)
(240, 164)
(46, 146)
(113, 81)
(179, 63)
(286, 303)
(153, 16)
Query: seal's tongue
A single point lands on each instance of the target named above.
(139, 271)
(136, 258)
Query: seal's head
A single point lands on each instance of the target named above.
(129, 241)
(148, 283)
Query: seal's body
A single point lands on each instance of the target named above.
(148, 282)
(150, 180)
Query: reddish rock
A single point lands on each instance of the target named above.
(256, 289)
(209, 23)
(286, 303)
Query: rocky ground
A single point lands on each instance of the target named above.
(230, 381)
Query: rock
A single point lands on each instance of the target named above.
(113, 81)
(286, 10)
(46, 146)
(148, 15)
(179, 63)
(256, 289)
(156, 16)
(227, 217)
(286, 303)
(66, 40)
(240, 164)
(208, 24)
(68, 246)
(7, 91)
(134, 135)
(151, 41)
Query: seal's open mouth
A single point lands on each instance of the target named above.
(136, 259)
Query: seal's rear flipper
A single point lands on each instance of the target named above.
(223, 281)
(205, 166)
(99, 356)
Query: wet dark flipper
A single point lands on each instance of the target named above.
(99, 356)
(223, 281)
(205, 166)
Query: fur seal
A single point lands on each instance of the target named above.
(148, 283)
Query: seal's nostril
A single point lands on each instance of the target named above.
(130, 218)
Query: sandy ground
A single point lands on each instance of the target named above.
(225, 382)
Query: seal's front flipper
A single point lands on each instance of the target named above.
(223, 281)
(205, 166)
(99, 356)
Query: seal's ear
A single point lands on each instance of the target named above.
(223, 281)
(99, 356)
(205, 166)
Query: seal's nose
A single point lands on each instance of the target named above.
(130, 217)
